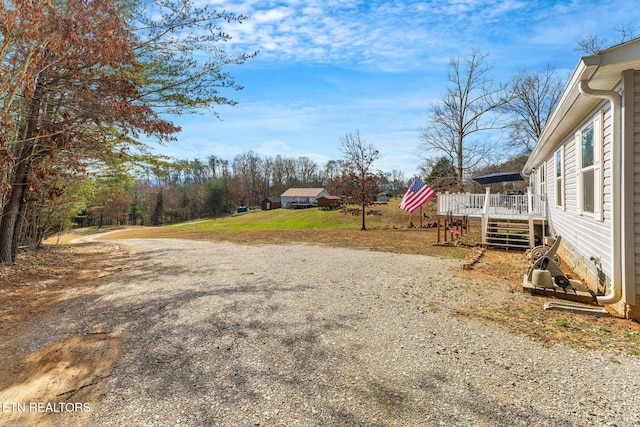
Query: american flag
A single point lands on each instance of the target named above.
(417, 195)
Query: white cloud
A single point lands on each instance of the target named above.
(271, 15)
(274, 147)
(401, 35)
(326, 40)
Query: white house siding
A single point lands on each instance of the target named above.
(534, 182)
(606, 166)
(583, 235)
(636, 183)
(304, 197)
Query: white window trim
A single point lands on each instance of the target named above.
(563, 202)
(598, 186)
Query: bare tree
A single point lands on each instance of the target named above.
(306, 170)
(267, 177)
(278, 184)
(214, 163)
(625, 32)
(247, 169)
(533, 98)
(330, 172)
(466, 110)
(289, 169)
(592, 44)
(358, 180)
(397, 180)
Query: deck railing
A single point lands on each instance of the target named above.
(460, 203)
(502, 204)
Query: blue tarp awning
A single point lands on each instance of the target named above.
(499, 177)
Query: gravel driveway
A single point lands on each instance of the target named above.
(218, 334)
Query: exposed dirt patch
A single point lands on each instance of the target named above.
(60, 371)
(523, 313)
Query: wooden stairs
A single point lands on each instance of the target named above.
(508, 233)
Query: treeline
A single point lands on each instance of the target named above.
(184, 190)
(83, 83)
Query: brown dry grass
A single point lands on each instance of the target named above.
(41, 285)
(408, 241)
(523, 314)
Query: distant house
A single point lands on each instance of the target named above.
(301, 197)
(383, 197)
(271, 203)
(587, 163)
(328, 202)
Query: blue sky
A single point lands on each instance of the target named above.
(330, 67)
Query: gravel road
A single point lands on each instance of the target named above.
(217, 334)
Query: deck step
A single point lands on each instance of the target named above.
(509, 224)
(506, 230)
(499, 235)
(507, 233)
(503, 237)
(508, 245)
(497, 241)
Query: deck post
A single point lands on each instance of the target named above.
(484, 218)
(445, 230)
(485, 207)
(483, 227)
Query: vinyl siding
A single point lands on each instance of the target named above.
(585, 234)
(606, 166)
(303, 195)
(636, 182)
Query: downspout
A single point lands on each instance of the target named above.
(615, 289)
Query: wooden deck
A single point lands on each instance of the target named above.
(507, 220)
(496, 205)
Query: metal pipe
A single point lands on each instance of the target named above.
(615, 289)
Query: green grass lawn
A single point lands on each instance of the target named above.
(386, 229)
(384, 216)
(277, 219)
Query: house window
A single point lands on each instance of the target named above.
(588, 175)
(559, 188)
(588, 171)
(542, 186)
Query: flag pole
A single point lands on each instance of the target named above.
(420, 216)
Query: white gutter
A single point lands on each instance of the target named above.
(615, 289)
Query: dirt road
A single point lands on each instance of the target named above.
(199, 333)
